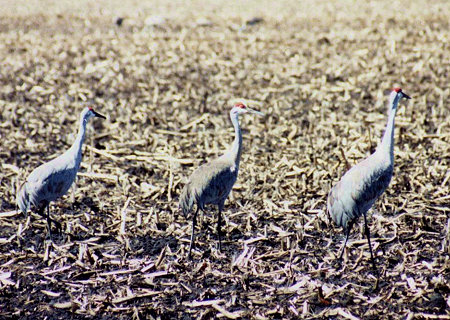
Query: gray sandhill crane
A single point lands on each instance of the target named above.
(53, 179)
(211, 183)
(360, 186)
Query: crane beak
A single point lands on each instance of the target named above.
(406, 96)
(255, 112)
(98, 115)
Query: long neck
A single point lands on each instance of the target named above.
(236, 147)
(387, 143)
(76, 148)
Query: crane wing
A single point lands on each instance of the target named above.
(357, 190)
(212, 182)
(49, 183)
(370, 186)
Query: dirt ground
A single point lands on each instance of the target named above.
(164, 74)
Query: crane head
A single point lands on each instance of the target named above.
(241, 108)
(398, 91)
(89, 113)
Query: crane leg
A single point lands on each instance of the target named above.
(194, 221)
(56, 223)
(219, 225)
(367, 231)
(349, 228)
(41, 210)
(49, 222)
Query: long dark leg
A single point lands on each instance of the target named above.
(56, 223)
(49, 222)
(41, 212)
(219, 225)
(349, 228)
(367, 231)
(194, 221)
(46, 205)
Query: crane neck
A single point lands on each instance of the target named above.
(76, 148)
(236, 147)
(387, 142)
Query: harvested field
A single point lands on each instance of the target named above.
(164, 75)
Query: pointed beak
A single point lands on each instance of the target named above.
(255, 112)
(98, 115)
(406, 96)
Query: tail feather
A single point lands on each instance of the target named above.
(335, 208)
(23, 198)
(186, 200)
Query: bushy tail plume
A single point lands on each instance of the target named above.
(337, 211)
(186, 200)
(23, 198)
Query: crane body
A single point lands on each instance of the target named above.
(53, 179)
(212, 182)
(364, 183)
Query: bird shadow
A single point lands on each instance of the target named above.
(6, 205)
(145, 245)
(85, 202)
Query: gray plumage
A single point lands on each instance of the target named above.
(53, 179)
(361, 186)
(211, 183)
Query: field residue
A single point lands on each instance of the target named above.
(164, 78)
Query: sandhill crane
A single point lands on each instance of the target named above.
(211, 183)
(360, 186)
(53, 179)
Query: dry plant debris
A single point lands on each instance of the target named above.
(164, 75)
